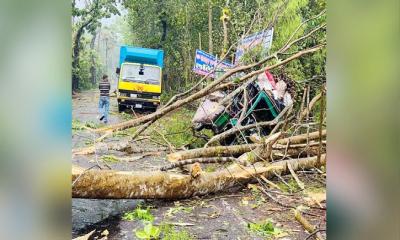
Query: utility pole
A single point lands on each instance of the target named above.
(210, 30)
(200, 41)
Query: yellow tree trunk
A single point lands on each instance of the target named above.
(108, 184)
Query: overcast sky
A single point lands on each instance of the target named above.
(104, 21)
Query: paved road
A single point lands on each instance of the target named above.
(221, 216)
(86, 212)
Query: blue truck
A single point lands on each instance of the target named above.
(140, 78)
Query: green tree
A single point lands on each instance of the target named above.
(178, 27)
(87, 19)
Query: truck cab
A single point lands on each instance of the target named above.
(139, 81)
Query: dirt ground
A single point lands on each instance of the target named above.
(220, 216)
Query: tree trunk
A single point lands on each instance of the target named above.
(109, 184)
(219, 151)
(93, 68)
(225, 19)
(76, 51)
(198, 160)
(225, 42)
(75, 59)
(210, 28)
(302, 137)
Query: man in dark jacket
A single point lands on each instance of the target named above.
(104, 102)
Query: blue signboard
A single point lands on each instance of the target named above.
(263, 37)
(206, 63)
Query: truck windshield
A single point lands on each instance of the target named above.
(141, 74)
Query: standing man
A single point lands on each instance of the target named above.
(104, 102)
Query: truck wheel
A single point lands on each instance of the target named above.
(121, 108)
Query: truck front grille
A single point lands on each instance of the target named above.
(144, 95)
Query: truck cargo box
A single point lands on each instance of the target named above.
(141, 55)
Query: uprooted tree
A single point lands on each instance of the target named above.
(297, 140)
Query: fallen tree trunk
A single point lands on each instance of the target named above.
(219, 151)
(124, 146)
(300, 145)
(302, 137)
(237, 150)
(198, 160)
(120, 146)
(109, 184)
(263, 154)
(306, 224)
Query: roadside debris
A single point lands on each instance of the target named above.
(247, 108)
(261, 100)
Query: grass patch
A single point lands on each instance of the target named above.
(139, 214)
(78, 125)
(109, 158)
(266, 229)
(127, 116)
(91, 124)
(148, 232)
(176, 127)
(290, 187)
(171, 233)
(124, 133)
(178, 208)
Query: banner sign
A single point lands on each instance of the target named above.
(205, 63)
(263, 37)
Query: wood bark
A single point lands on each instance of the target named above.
(306, 224)
(110, 184)
(302, 137)
(198, 160)
(260, 153)
(225, 41)
(124, 146)
(210, 28)
(219, 151)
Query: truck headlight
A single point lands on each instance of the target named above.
(156, 97)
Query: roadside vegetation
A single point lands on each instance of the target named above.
(163, 230)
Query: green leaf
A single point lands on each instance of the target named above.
(154, 232)
(142, 234)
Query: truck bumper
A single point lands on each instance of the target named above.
(138, 103)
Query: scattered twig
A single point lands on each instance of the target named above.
(296, 178)
(306, 224)
(171, 147)
(315, 232)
